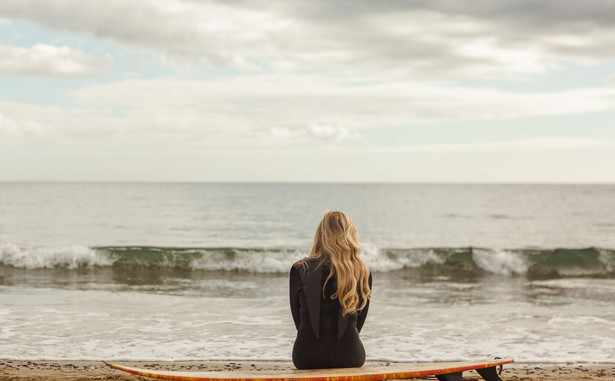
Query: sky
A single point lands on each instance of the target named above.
(308, 91)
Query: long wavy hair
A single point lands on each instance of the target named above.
(336, 242)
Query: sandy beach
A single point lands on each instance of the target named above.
(95, 370)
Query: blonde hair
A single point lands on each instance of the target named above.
(336, 241)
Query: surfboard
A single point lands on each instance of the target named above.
(449, 371)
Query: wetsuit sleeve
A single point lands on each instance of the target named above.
(295, 287)
(363, 313)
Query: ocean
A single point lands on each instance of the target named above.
(147, 271)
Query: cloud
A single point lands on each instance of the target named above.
(222, 34)
(291, 104)
(352, 38)
(47, 60)
(23, 128)
(55, 124)
(314, 131)
(251, 110)
(329, 132)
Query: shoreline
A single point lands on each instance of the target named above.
(67, 370)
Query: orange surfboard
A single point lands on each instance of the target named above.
(444, 371)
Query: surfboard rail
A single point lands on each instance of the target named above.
(451, 371)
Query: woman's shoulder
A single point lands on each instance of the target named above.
(306, 263)
(299, 265)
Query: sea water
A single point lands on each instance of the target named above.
(150, 271)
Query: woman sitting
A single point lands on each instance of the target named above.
(329, 297)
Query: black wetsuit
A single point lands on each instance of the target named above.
(333, 342)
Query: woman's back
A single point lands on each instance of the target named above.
(325, 337)
(329, 296)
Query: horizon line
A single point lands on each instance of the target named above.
(302, 182)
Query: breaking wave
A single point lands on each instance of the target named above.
(533, 263)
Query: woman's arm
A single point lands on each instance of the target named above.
(363, 312)
(294, 288)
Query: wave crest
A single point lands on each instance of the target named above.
(71, 257)
(468, 261)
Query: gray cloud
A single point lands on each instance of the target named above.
(385, 39)
(203, 31)
(537, 15)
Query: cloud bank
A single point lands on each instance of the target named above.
(354, 38)
(252, 111)
(409, 83)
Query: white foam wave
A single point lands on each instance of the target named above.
(255, 261)
(607, 258)
(49, 257)
(578, 320)
(249, 261)
(500, 261)
(280, 262)
(383, 261)
(81, 324)
(495, 261)
(596, 285)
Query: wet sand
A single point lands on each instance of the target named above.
(96, 370)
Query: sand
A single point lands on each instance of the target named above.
(95, 370)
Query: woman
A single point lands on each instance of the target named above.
(329, 297)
